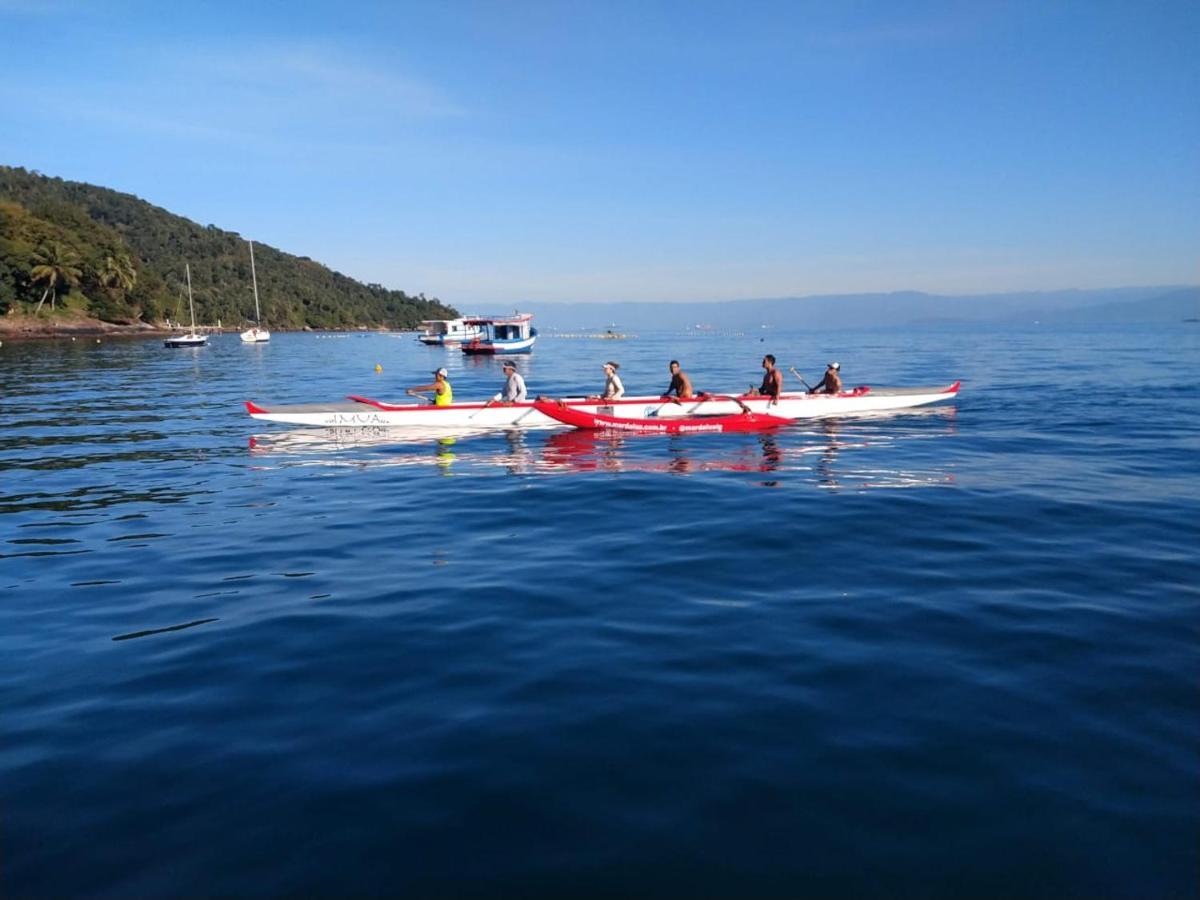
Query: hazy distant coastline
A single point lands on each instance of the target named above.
(1123, 305)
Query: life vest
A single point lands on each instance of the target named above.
(446, 397)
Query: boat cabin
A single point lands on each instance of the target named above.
(444, 331)
(512, 334)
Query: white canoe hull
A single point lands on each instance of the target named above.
(352, 413)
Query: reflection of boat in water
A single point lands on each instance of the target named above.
(827, 452)
(607, 451)
(843, 455)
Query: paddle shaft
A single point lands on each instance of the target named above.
(792, 369)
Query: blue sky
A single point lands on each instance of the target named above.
(494, 153)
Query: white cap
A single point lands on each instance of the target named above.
(442, 371)
(835, 366)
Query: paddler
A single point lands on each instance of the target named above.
(443, 394)
(613, 388)
(772, 383)
(514, 385)
(680, 386)
(831, 383)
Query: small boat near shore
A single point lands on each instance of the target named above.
(695, 424)
(192, 338)
(357, 411)
(257, 334)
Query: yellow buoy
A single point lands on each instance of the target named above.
(378, 368)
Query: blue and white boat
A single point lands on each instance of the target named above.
(505, 334)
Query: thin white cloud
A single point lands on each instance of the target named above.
(320, 74)
(265, 98)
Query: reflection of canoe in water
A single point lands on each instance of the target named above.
(592, 421)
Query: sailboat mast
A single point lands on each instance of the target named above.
(254, 279)
(191, 309)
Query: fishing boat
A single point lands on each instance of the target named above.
(357, 411)
(257, 334)
(192, 338)
(448, 332)
(697, 424)
(507, 334)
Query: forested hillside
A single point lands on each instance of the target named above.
(68, 245)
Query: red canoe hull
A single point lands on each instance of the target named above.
(747, 421)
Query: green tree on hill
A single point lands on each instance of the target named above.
(118, 272)
(56, 267)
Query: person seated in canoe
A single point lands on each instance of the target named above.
(514, 386)
(443, 394)
(831, 383)
(680, 384)
(613, 389)
(772, 383)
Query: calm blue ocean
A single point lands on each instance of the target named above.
(948, 653)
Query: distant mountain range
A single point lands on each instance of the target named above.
(1124, 305)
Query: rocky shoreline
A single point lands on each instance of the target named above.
(13, 328)
(30, 328)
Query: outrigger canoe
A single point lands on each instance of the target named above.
(365, 412)
(577, 418)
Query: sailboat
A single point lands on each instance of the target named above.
(191, 339)
(257, 334)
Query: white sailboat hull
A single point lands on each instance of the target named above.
(255, 336)
(191, 339)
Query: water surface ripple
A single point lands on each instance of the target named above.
(951, 653)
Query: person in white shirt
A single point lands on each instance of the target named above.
(613, 389)
(514, 387)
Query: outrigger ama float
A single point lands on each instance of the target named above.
(577, 418)
(365, 412)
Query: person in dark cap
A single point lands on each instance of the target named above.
(443, 394)
(514, 385)
(832, 382)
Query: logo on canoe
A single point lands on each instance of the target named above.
(363, 418)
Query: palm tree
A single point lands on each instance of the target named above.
(57, 266)
(118, 272)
